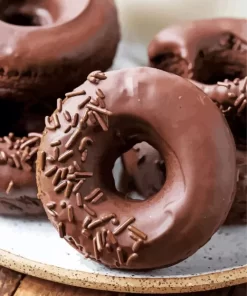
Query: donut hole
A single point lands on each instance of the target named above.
(140, 172)
(126, 134)
(170, 62)
(26, 17)
(213, 66)
(38, 13)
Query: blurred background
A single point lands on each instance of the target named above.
(141, 19)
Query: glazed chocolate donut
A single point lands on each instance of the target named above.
(106, 116)
(48, 47)
(209, 51)
(18, 190)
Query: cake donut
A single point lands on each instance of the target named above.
(212, 53)
(18, 190)
(48, 47)
(103, 118)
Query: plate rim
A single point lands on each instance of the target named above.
(181, 284)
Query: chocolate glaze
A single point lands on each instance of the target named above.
(78, 190)
(18, 190)
(47, 47)
(142, 176)
(208, 51)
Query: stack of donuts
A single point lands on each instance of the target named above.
(46, 49)
(181, 136)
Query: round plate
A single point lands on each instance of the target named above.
(33, 247)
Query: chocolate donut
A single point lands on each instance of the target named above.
(18, 190)
(48, 47)
(207, 52)
(102, 119)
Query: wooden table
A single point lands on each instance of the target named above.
(15, 284)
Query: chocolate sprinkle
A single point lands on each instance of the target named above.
(78, 186)
(10, 186)
(123, 226)
(55, 143)
(85, 141)
(75, 120)
(57, 177)
(69, 189)
(75, 93)
(100, 110)
(65, 156)
(100, 93)
(111, 238)
(131, 258)
(59, 105)
(89, 211)
(51, 205)
(86, 221)
(100, 121)
(50, 172)
(96, 253)
(84, 103)
(99, 241)
(67, 115)
(79, 201)
(120, 255)
(92, 195)
(72, 140)
(60, 186)
(137, 232)
(48, 125)
(61, 229)
(70, 213)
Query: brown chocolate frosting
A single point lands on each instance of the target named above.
(147, 178)
(102, 119)
(209, 51)
(48, 47)
(18, 190)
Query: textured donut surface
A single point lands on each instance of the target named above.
(18, 190)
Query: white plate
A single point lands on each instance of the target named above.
(34, 247)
